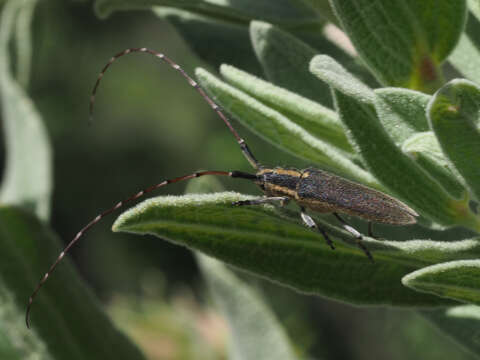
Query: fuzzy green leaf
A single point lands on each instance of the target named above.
(425, 150)
(455, 280)
(401, 112)
(403, 42)
(16, 341)
(330, 71)
(231, 39)
(65, 316)
(285, 56)
(23, 41)
(255, 333)
(466, 56)
(285, 61)
(266, 242)
(355, 104)
(279, 130)
(27, 176)
(454, 117)
(460, 323)
(474, 7)
(225, 24)
(318, 120)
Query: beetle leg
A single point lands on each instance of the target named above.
(370, 230)
(347, 227)
(356, 234)
(307, 220)
(265, 200)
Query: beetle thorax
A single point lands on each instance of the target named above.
(278, 182)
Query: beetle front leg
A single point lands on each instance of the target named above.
(266, 200)
(356, 234)
(307, 220)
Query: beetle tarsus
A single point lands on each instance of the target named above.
(357, 235)
(362, 246)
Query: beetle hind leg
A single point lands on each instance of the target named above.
(370, 231)
(357, 235)
(309, 222)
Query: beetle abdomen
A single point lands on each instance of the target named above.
(325, 192)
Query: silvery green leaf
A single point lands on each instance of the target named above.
(281, 131)
(27, 179)
(454, 280)
(460, 323)
(264, 241)
(317, 119)
(402, 112)
(385, 160)
(67, 320)
(285, 60)
(255, 333)
(403, 42)
(425, 150)
(454, 117)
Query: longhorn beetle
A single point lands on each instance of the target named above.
(310, 188)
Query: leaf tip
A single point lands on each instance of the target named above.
(260, 26)
(147, 209)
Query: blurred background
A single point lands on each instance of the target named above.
(150, 125)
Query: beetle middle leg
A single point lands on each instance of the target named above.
(307, 220)
(356, 234)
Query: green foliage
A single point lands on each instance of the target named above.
(465, 57)
(202, 22)
(415, 136)
(285, 59)
(453, 114)
(27, 249)
(28, 147)
(27, 246)
(315, 118)
(401, 112)
(424, 149)
(460, 323)
(278, 129)
(356, 105)
(403, 42)
(455, 280)
(276, 246)
(283, 11)
(255, 333)
(421, 148)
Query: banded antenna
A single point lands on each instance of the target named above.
(241, 142)
(236, 174)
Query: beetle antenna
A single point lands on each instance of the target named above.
(233, 174)
(241, 142)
